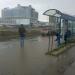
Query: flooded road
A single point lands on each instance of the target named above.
(30, 60)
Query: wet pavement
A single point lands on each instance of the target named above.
(30, 60)
(71, 68)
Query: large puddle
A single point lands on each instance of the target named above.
(30, 60)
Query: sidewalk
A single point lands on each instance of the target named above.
(71, 69)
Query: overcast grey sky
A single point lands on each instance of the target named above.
(67, 6)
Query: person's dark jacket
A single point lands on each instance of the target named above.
(22, 31)
(67, 35)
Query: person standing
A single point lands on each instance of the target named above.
(58, 37)
(22, 33)
(67, 36)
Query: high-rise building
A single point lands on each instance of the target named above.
(19, 15)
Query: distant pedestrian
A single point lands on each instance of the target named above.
(58, 37)
(67, 36)
(22, 33)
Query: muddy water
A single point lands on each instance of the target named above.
(30, 60)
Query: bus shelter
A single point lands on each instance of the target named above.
(61, 21)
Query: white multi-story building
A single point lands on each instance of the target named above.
(19, 15)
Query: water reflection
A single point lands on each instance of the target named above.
(20, 62)
(30, 59)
